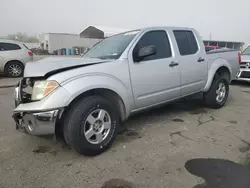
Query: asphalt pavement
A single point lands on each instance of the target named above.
(8, 82)
(150, 152)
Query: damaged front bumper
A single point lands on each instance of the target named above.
(39, 123)
(32, 120)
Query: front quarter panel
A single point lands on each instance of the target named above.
(96, 81)
(71, 89)
(216, 64)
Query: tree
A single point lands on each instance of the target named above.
(23, 37)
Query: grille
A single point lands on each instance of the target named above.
(244, 65)
(25, 91)
(245, 74)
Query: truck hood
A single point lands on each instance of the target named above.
(245, 58)
(52, 65)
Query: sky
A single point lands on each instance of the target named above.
(224, 19)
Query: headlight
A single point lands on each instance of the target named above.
(43, 88)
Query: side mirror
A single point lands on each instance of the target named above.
(145, 52)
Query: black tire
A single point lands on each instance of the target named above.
(14, 63)
(73, 125)
(210, 96)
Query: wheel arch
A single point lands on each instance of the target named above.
(108, 94)
(220, 66)
(11, 61)
(223, 70)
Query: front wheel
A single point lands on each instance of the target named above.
(218, 93)
(90, 125)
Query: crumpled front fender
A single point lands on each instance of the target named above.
(86, 83)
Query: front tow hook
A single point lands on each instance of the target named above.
(17, 118)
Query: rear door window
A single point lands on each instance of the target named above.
(193, 42)
(9, 46)
(186, 42)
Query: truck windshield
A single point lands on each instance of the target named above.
(246, 51)
(112, 47)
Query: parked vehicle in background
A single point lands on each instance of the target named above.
(208, 47)
(87, 98)
(13, 57)
(244, 73)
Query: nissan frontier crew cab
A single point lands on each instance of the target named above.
(87, 98)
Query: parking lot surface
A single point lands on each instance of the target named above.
(151, 151)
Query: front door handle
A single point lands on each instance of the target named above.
(173, 64)
(201, 59)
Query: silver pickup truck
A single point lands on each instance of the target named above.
(87, 98)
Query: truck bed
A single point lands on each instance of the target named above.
(221, 50)
(229, 55)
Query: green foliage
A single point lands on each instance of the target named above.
(23, 37)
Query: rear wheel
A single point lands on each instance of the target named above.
(14, 69)
(218, 93)
(90, 125)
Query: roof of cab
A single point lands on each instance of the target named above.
(167, 27)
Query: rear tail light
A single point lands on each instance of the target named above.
(30, 53)
(239, 57)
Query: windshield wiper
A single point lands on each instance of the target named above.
(107, 57)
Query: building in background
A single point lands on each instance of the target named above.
(101, 32)
(224, 44)
(92, 32)
(110, 31)
(86, 39)
(55, 41)
(32, 45)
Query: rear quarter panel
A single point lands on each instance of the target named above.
(216, 60)
(15, 55)
(7, 56)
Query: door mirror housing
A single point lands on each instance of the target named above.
(145, 52)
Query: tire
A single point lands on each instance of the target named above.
(14, 69)
(77, 125)
(210, 97)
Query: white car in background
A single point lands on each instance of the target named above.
(13, 57)
(244, 73)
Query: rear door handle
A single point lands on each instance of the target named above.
(201, 59)
(173, 64)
